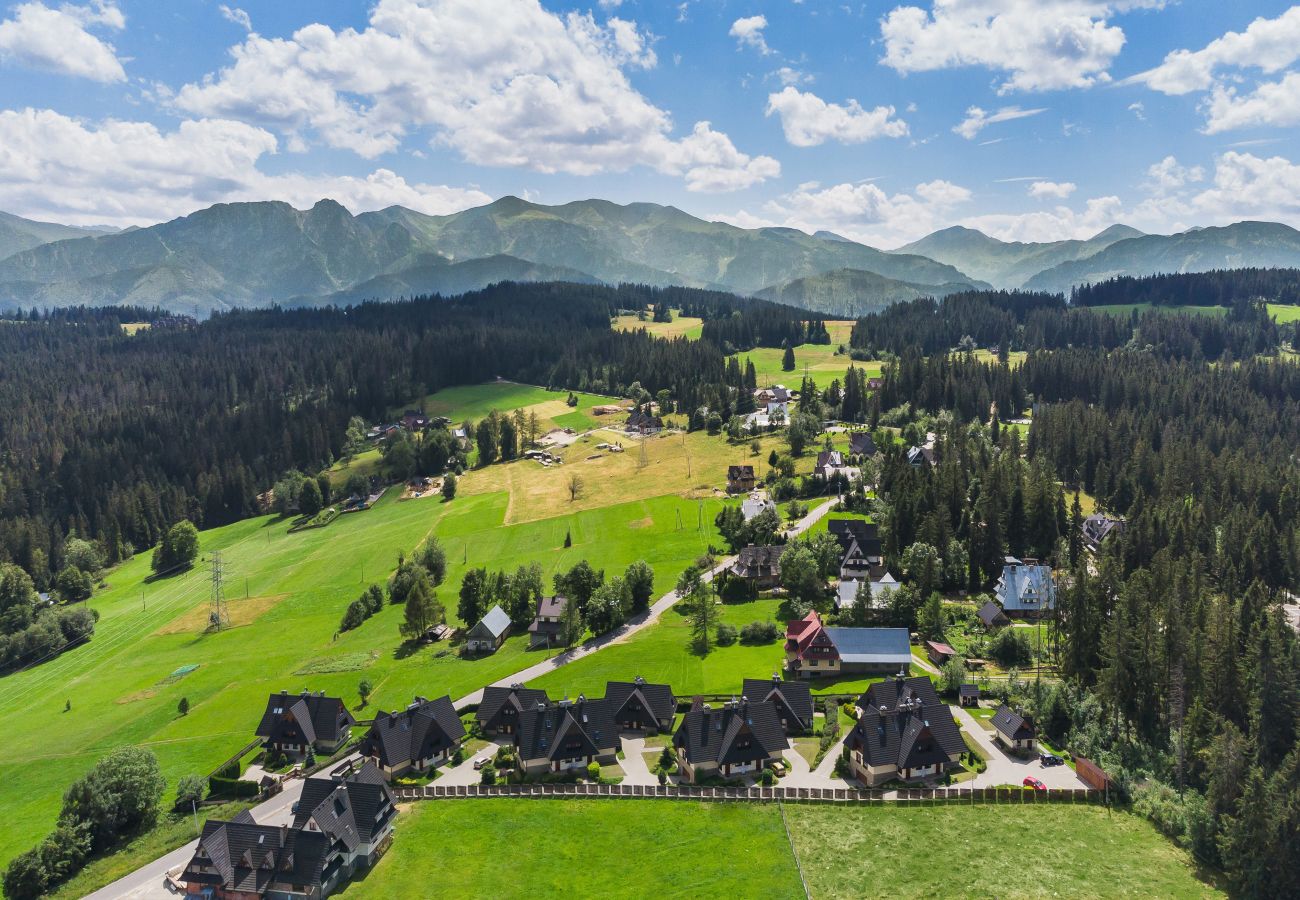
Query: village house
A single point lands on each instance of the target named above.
(343, 823)
(1025, 590)
(904, 733)
(1097, 527)
(544, 630)
(638, 705)
(738, 738)
(919, 457)
(1015, 731)
(991, 616)
(567, 735)
(968, 694)
(489, 633)
(867, 559)
(761, 566)
(740, 479)
(861, 445)
(294, 722)
(792, 699)
(421, 737)
(814, 650)
(640, 422)
(500, 709)
(754, 506)
(830, 464)
(414, 420)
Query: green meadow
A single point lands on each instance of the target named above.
(1284, 313)
(474, 401)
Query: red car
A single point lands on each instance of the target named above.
(1031, 781)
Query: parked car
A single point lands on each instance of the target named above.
(1032, 782)
(481, 762)
(1050, 759)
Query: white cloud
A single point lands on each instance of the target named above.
(977, 119)
(1267, 44)
(809, 120)
(861, 211)
(1275, 103)
(1040, 44)
(1057, 190)
(59, 40)
(1168, 176)
(133, 173)
(748, 32)
(1139, 110)
(502, 82)
(1246, 186)
(610, 4)
(237, 16)
(788, 76)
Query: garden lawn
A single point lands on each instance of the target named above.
(1060, 851)
(119, 685)
(584, 848)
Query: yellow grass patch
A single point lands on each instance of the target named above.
(241, 611)
(146, 694)
(647, 522)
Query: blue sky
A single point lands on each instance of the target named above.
(1031, 119)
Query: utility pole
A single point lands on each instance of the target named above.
(218, 617)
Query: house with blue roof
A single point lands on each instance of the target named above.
(1026, 590)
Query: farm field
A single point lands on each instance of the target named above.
(584, 848)
(474, 401)
(821, 360)
(120, 683)
(1066, 851)
(680, 326)
(679, 846)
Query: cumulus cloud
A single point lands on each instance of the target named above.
(1056, 190)
(59, 40)
(1168, 176)
(1267, 44)
(748, 32)
(787, 76)
(1275, 103)
(809, 120)
(133, 173)
(236, 15)
(978, 119)
(861, 211)
(1040, 44)
(502, 82)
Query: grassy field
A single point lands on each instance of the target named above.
(584, 848)
(821, 361)
(1060, 851)
(679, 849)
(680, 326)
(298, 586)
(1124, 309)
(474, 401)
(1284, 313)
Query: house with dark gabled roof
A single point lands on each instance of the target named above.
(639, 705)
(342, 823)
(567, 735)
(421, 737)
(792, 699)
(761, 566)
(1025, 590)
(489, 633)
(1014, 730)
(861, 532)
(738, 738)
(861, 444)
(904, 733)
(968, 694)
(544, 630)
(294, 722)
(920, 457)
(740, 479)
(992, 616)
(499, 710)
(1097, 527)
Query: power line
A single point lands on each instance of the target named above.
(218, 615)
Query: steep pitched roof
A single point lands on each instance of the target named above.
(516, 695)
(991, 614)
(866, 534)
(832, 458)
(755, 561)
(735, 733)
(876, 646)
(753, 506)
(567, 729)
(905, 724)
(1012, 725)
(350, 810)
(795, 696)
(493, 624)
(657, 699)
(1026, 588)
(739, 473)
(552, 606)
(861, 444)
(304, 718)
(423, 730)
(250, 858)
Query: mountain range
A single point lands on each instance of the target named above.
(254, 254)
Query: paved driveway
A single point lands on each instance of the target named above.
(1007, 769)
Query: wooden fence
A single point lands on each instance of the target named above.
(750, 794)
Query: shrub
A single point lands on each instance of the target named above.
(768, 778)
(1010, 648)
(593, 771)
(759, 633)
(189, 790)
(488, 775)
(726, 635)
